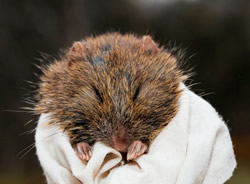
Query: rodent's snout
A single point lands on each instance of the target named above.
(120, 143)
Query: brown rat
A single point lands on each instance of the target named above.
(118, 89)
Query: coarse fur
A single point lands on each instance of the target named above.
(110, 86)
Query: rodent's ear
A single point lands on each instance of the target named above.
(149, 44)
(78, 50)
(75, 52)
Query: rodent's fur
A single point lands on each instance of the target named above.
(111, 85)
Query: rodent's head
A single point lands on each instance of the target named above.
(112, 88)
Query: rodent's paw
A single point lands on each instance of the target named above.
(83, 151)
(136, 149)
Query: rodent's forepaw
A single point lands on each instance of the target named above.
(136, 149)
(83, 151)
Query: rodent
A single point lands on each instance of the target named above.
(121, 90)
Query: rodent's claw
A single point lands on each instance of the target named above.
(136, 149)
(83, 150)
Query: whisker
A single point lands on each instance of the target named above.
(33, 146)
(193, 84)
(28, 132)
(28, 122)
(51, 135)
(206, 94)
(25, 149)
(8, 110)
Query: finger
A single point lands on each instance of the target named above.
(138, 147)
(143, 149)
(90, 153)
(131, 152)
(86, 150)
(82, 151)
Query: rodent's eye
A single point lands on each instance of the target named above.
(98, 94)
(136, 93)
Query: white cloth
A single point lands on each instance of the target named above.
(194, 148)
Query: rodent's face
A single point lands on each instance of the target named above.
(114, 91)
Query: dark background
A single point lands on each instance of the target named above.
(214, 33)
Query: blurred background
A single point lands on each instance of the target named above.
(215, 35)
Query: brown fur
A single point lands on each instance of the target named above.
(111, 86)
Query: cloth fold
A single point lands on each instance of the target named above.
(194, 148)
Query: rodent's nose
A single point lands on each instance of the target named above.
(119, 143)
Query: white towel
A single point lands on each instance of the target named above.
(194, 148)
